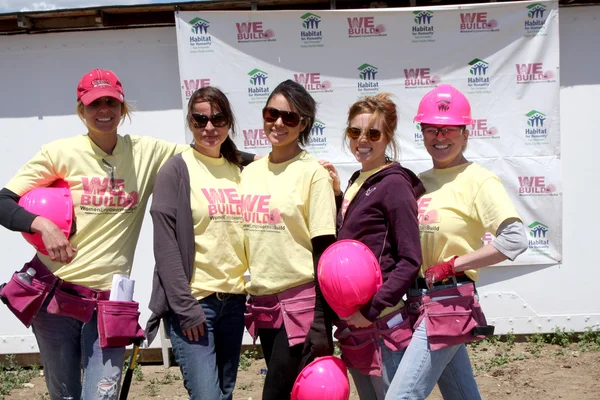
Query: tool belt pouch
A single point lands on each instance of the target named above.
(118, 323)
(262, 312)
(73, 301)
(24, 299)
(451, 316)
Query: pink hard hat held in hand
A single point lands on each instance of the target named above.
(324, 378)
(349, 275)
(444, 105)
(53, 202)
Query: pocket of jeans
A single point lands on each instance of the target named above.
(118, 323)
(71, 305)
(24, 299)
(298, 315)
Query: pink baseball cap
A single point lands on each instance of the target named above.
(99, 83)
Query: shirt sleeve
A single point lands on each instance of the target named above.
(321, 205)
(492, 206)
(511, 239)
(40, 171)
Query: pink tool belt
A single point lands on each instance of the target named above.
(361, 347)
(452, 316)
(25, 300)
(293, 308)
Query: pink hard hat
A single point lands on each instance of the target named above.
(324, 378)
(349, 275)
(53, 202)
(444, 105)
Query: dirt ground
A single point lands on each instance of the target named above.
(504, 371)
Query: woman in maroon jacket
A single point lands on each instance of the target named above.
(379, 209)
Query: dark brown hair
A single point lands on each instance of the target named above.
(217, 99)
(301, 102)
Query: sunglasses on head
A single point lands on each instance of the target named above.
(217, 120)
(372, 134)
(289, 118)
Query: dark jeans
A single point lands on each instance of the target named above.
(209, 366)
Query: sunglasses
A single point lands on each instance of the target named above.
(289, 118)
(446, 131)
(218, 120)
(372, 134)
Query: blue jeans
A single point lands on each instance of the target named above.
(422, 368)
(66, 345)
(209, 366)
(375, 387)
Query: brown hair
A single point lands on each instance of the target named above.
(126, 110)
(379, 105)
(216, 98)
(301, 101)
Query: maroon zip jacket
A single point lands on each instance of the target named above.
(383, 216)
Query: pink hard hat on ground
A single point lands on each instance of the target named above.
(53, 202)
(99, 83)
(325, 378)
(444, 105)
(349, 275)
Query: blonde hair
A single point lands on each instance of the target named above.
(379, 105)
(126, 110)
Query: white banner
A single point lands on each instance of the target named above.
(503, 56)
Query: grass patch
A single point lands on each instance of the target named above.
(13, 376)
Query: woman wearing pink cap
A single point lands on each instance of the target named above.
(462, 201)
(110, 179)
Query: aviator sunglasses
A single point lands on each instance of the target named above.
(218, 120)
(289, 118)
(372, 134)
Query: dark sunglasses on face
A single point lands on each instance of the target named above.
(355, 133)
(446, 131)
(218, 120)
(289, 118)
(109, 101)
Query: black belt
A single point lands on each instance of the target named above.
(226, 296)
(420, 282)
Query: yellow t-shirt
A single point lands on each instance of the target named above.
(220, 261)
(109, 199)
(459, 205)
(356, 185)
(285, 205)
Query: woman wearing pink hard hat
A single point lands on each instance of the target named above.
(378, 209)
(462, 201)
(110, 178)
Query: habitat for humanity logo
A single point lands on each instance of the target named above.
(311, 35)
(248, 32)
(479, 79)
(535, 23)
(368, 82)
(200, 39)
(364, 27)
(255, 138)
(317, 139)
(481, 130)
(191, 85)
(312, 82)
(536, 186)
(538, 236)
(477, 22)
(533, 73)
(422, 30)
(536, 131)
(418, 136)
(419, 78)
(258, 91)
